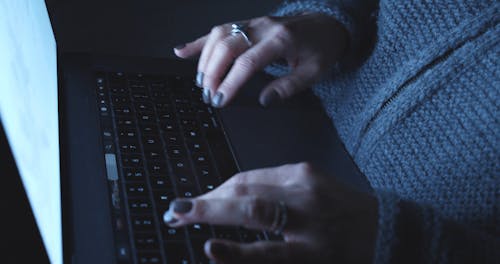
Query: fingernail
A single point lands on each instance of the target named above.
(199, 79)
(182, 206)
(206, 95)
(269, 98)
(217, 99)
(180, 46)
(168, 217)
(218, 249)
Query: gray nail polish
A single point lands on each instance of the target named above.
(199, 79)
(168, 218)
(180, 46)
(217, 99)
(269, 98)
(182, 206)
(206, 95)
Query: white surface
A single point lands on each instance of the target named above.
(28, 110)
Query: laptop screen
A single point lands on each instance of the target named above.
(29, 110)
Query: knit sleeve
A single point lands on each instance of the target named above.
(409, 233)
(352, 14)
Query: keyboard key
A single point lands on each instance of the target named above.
(176, 152)
(158, 168)
(153, 154)
(174, 234)
(104, 109)
(151, 141)
(159, 85)
(187, 192)
(180, 167)
(199, 230)
(123, 110)
(195, 146)
(119, 90)
(160, 184)
(146, 241)
(140, 205)
(140, 96)
(163, 199)
(188, 123)
(137, 189)
(205, 172)
(160, 96)
(149, 258)
(129, 147)
(163, 108)
(142, 107)
(184, 180)
(192, 134)
(108, 146)
(133, 174)
(208, 183)
(132, 161)
(145, 117)
(200, 159)
(120, 100)
(137, 86)
(169, 126)
(126, 134)
(142, 223)
(125, 122)
(172, 139)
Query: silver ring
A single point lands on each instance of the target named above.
(239, 28)
(280, 218)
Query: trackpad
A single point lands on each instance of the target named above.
(294, 131)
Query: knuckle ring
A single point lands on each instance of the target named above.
(280, 218)
(239, 28)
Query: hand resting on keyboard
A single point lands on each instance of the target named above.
(295, 200)
(297, 41)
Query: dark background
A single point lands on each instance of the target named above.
(148, 28)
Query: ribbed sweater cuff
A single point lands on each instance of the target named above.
(299, 7)
(411, 233)
(387, 210)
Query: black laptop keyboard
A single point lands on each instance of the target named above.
(161, 142)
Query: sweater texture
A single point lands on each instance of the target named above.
(418, 113)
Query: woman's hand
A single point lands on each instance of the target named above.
(325, 221)
(309, 43)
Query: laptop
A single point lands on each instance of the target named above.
(102, 144)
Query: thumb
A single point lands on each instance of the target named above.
(298, 80)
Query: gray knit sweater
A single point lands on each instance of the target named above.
(416, 103)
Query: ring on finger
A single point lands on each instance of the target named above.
(239, 28)
(280, 218)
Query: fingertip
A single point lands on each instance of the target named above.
(218, 100)
(207, 249)
(217, 249)
(180, 52)
(169, 218)
(180, 46)
(269, 97)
